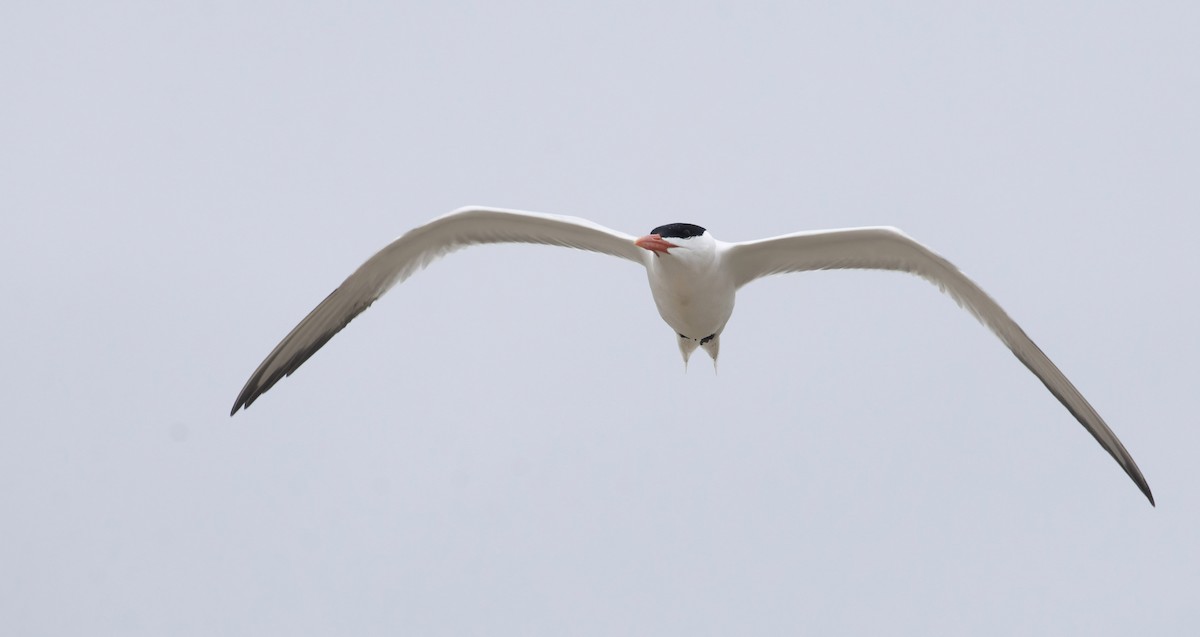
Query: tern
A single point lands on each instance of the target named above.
(693, 279)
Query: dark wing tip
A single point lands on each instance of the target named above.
(260, 382)
(1135, 474)
(245, 399)
(249, 393)
(1146, 490)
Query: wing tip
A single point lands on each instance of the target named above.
(1135, 474)
(1146, 492)
(243, 402)
(1131, 469)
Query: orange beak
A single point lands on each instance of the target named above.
(654, 243)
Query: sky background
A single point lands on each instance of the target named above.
(507, 444)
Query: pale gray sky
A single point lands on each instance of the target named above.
(507, 444)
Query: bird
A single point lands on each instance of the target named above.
(693, 279)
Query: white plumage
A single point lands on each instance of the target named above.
(693, 278)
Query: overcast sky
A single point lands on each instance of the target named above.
(508, 444)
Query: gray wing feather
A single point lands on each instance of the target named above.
(890, 249)
(413, 251)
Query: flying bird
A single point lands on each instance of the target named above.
(693, 279)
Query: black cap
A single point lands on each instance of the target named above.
(678, 231)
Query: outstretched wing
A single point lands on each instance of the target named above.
(414, 250)
(890, 249)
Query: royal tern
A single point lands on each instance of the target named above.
(693, 279)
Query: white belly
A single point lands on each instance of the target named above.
(694, 304)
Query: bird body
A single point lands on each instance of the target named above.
(693, 293)
(693, 278)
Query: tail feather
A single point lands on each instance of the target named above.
(686, 347)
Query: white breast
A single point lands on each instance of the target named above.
(694, 295)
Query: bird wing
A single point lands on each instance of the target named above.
(890, 249)
(414, 250)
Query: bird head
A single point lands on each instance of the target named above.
(671, 235)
